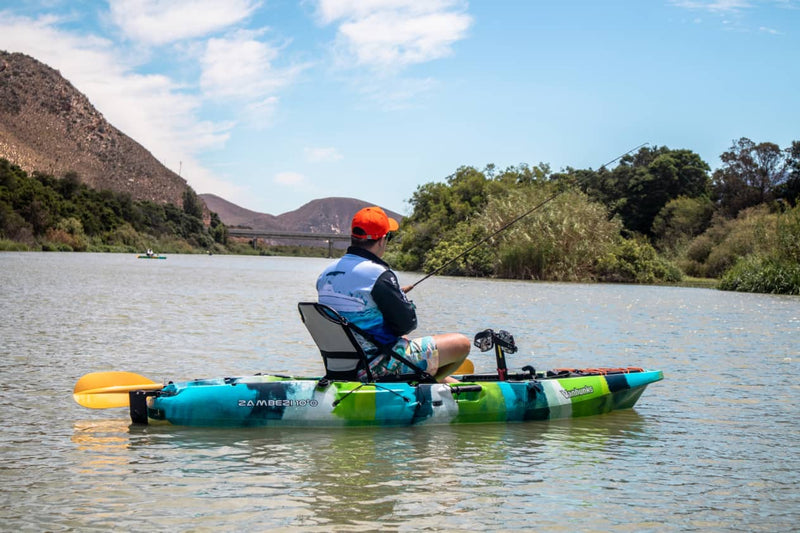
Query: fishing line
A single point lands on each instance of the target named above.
(517, 219)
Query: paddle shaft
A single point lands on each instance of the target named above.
(505, 227)
(103, 390)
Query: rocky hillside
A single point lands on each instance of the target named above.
(326, 215)
(47, 125)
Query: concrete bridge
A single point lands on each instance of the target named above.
(255, 234)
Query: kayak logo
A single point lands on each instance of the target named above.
(278, 403)
(568, 394)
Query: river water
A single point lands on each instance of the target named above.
(713, 447)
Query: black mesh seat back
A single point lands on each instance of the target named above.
(341, 352)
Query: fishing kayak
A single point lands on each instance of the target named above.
(277, 400)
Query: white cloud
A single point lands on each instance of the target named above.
(291, 179)
(331, 10)
(242, 67)
(318, 155)
(719, 6)
(151, 109)
(158, 22)
(387, 35)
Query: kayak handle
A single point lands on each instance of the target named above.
(458, 389)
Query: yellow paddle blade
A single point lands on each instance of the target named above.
(103, 390)
(466, 368)
(98, 380)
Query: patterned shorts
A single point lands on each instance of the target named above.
(421, 351)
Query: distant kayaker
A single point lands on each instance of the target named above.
(363, 288)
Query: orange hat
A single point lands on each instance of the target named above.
(372, 223)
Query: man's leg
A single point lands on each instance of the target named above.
(453, 349)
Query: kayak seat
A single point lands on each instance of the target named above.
(341, 353)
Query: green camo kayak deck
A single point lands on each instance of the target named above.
(275, 400)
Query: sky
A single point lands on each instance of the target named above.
(273, 103)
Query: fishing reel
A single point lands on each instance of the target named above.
(502, 342)
(487, 339)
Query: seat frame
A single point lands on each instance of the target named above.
(341, 351)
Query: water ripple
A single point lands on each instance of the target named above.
(710, 448)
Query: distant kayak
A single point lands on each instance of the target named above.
(145, 256)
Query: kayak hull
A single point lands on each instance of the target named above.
(285, 401)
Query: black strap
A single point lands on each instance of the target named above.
(387, 350)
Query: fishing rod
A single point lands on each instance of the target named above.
(517, 219)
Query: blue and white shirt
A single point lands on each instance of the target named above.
(363, 289)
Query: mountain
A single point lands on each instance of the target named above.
(47, 125)
(232, 215)
(325, 215)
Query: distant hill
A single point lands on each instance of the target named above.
(325, 215)
(47, 125)
(232, 215)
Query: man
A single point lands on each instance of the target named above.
(362, 288)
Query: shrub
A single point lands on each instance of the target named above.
(764, 275)
(126, 235)
(559, 242)
(632, 261)
(726, 241)
(478, 262)
(788, 229)
(12, 246)
(680, 220)
(777, 269)
(68, 235)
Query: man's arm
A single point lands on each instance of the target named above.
(398, 312)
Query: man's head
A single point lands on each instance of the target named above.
(370, 225)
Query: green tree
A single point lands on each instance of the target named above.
(751, 174)
(479, 261)
(522, 174)
(437, 209)
(667, 174)
(680, 220)
(789, 190)
(69, 185)
(639, 187)
(13, 226)
(192, 205)
(64, 214)
(219, 231)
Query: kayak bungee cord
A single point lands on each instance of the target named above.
(520, 217)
